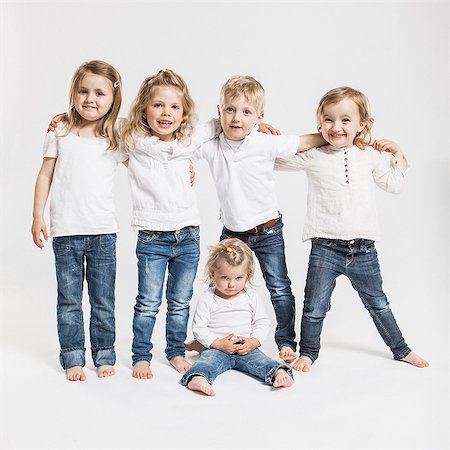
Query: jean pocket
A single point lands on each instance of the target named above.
(147, 236)
(194, 232)
(61, 246)
(108, 243)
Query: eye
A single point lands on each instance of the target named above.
(157, 105)
(100, 94)
(247, 112)
(346, 120)
(223, 277)
(176, 107)
(82, 91)
(229, 109)
(239, 278)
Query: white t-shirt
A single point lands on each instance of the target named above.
(341, 189)
(216, 317)
(159, 177)
(82, 197)
(244, 177)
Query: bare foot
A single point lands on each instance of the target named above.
(105, 371)
(180, 364)
(287, 354)
(75, 373)
(142, 370)
(303, 364)
(193, 346)
(282, 379)
(415, 360)
(200, 384)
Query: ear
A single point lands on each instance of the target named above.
(361, 126)
(218, 110)
(260, 117)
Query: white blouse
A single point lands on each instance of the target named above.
(341, 189)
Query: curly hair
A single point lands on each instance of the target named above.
(136, 122)
(233, 252)
(363, 138)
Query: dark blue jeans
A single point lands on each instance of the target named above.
(268, 246)
(93, 257)
(213, 362)
(357, 259)
(177, 252)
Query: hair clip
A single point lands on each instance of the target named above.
(116, 83)
(229, 250)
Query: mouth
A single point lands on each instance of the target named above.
(89, 107)
(164, 123)
(336, 135)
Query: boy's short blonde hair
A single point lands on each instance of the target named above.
(247, 86)
(363, 138)
(233, 252)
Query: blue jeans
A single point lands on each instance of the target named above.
(213, 362)
(95, 257)
(178, 252)
(358, 260)
(268, 246)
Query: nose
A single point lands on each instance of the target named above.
(231, 284)
(336, 126)
(236, 117)
(90, 97)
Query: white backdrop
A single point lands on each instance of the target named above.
(398, 54)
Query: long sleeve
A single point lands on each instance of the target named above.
(260, 319)
(299, 161)
(389, 174)
(201, 320)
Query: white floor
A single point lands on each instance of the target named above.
(356, 396)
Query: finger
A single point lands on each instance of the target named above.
(44, 232)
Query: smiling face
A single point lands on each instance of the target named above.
(164, 112)
(94, 97)
(229, 280)
(340, 123)
(238, 117)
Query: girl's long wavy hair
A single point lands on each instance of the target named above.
(106, 126)
(364, 137)
(233, 252)
(137, 123)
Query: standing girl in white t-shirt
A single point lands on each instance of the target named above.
(159, 140)
(80, 160)
(341, 219)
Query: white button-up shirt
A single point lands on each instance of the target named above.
(341, 189)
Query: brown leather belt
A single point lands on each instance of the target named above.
(263, 226)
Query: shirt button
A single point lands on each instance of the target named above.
(177, 232)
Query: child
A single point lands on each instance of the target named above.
(80, 161)
(341, 219)
(230, 322)
(159, 139)
(241, 162)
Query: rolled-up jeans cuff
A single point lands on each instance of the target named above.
(72, 357)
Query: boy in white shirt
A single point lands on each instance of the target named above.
(241, 162)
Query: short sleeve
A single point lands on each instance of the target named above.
(51, 142)
(285, 146)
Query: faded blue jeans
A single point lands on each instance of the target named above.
(177, 252)
(93, 257)
(268, 246)
(213, 362)
(357, 259)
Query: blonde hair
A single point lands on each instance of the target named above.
(136, 123)
(106, 126)
(247, 86)
(363, 138)
(233, 252)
